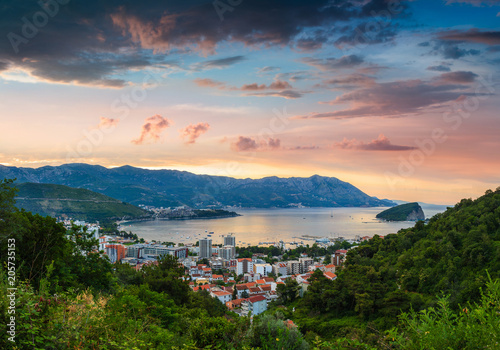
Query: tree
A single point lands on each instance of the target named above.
(289, 291)
(167, 277)
(244, 294)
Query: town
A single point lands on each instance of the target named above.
(246, 285)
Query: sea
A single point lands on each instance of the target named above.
(257, 226)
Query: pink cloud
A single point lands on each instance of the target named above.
(192, 132)
(209, 83)
(152, 128)
(382, 143)
(107, 122)
(249, 144)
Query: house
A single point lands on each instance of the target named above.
(314, 267)
(262, 269)
(329, 268)
(240, 288)
(254, 290)
(217, 278)
(280, 268)
(223, 296)
(268, 279)
(256, 305)
(330, 275)
(236, 303)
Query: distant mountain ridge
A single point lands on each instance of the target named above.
(169, 188)
(76, 203)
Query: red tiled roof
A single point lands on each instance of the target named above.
(256, 298)
(268, 279)
(330, 275)
(221, 293)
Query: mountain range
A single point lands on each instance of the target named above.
(170, 188)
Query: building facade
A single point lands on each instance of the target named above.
(205, 248)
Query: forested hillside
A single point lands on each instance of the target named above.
(451, 255)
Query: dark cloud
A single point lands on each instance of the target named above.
(350, 80)
(392, 99)
(366, 34)
(472, 35)
(4, 65)
(95, 42)
(249, 144)
(191, 132)
(454, 52)
(451, 49)
(151, 129)
(439, 68)
(424, 44)
(288, 94)
(459, 77)
(312, 41)
(382, 143)
(332, 63)
(244, 144)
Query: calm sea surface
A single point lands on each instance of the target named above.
(272, 225)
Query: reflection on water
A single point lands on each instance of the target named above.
(271, 225)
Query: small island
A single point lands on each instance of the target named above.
(403, 212)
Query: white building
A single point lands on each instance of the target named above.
(262, 269)
(244, 265)
(280, 268)
(223, 296)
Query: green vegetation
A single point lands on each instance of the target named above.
(432, 286)
(213, 213)
(382, 278)
(76, 203)
(403, 212)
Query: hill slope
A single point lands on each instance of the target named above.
(77, 203)
(451, 254)
(173, 188)
(403, 212)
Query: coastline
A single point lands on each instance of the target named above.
(120, 222)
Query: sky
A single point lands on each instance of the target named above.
(399, 98)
